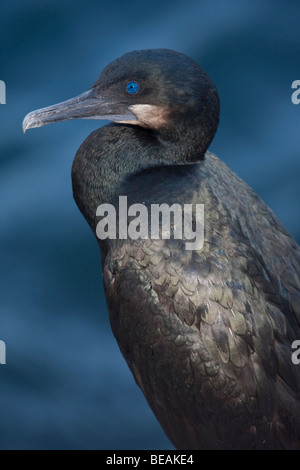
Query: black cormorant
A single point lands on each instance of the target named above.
(208, 332)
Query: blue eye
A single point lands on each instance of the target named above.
(132, 87)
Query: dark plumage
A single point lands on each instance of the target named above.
(207, 334)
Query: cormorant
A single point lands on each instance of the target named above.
(207, 333)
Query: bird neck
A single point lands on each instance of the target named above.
(113, 154)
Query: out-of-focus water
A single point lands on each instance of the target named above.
(65, 384)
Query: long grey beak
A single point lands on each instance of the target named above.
(85, 106)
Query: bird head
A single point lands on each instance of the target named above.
(161, 90)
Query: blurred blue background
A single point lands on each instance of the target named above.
(66, 385)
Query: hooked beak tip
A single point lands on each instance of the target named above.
(27, 122)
